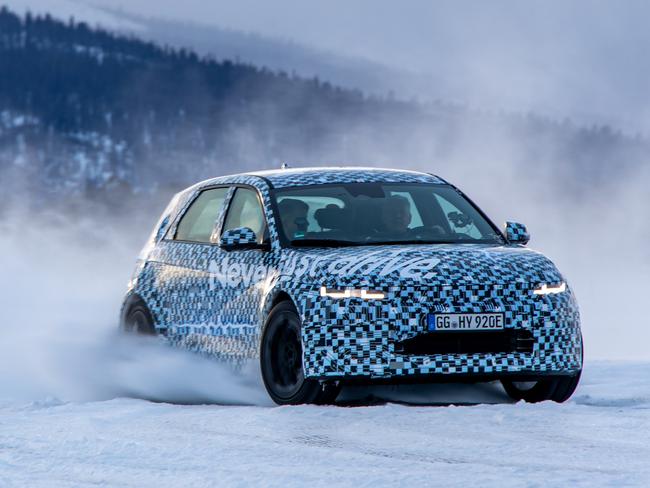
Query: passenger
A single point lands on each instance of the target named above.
(396, 216)
(293, 213)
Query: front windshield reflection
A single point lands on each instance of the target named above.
(380, 213)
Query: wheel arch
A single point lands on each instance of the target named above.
(276, 296)
(129, 302)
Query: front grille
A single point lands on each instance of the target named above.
(467, 342)
(464, 294)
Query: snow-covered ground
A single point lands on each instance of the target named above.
(599, 438)
(82, 407)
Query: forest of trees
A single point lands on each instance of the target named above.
(87, 112)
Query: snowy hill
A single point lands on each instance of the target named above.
(87, 111)
(279, 55)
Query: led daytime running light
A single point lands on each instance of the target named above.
(549, 290)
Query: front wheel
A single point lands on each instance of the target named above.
(559, 389)
(281, 361)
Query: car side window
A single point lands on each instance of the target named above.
(246, 211)
(199, 220)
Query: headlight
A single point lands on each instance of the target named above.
(549, 290)
(351, 293)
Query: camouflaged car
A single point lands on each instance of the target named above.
(328, 276)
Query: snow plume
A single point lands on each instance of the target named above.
(61, 290)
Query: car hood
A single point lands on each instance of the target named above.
(424, 265)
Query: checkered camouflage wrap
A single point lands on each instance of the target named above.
(241, 235)
(319, 176)
(517, 233)
(216, 302)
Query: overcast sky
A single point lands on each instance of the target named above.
(587, 59)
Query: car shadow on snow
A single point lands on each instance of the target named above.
(444, 394)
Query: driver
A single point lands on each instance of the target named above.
(293, 213)
(396, 215)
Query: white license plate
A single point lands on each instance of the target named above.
(464, 321)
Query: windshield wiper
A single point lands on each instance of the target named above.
(323, 243)
(432, 241)
(344, 243)
(409, 241)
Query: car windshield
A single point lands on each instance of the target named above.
(380, 213)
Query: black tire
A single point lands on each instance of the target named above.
(565, 387)
(558, 388)
(281, 361)
(138, 320)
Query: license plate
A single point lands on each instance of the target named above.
(464, 321)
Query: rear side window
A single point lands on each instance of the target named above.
(199, 220)
(246, 211)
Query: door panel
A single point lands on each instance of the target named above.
(182, 278)
(242, 274)
(212, 298)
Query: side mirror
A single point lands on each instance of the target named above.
(517, 233)
(240, 238)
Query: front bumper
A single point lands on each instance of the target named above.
(356, 339)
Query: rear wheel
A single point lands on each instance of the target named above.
(559, 388)
(281, 361)
(138, 320)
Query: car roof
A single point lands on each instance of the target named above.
(280, 178)
(287, 177)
